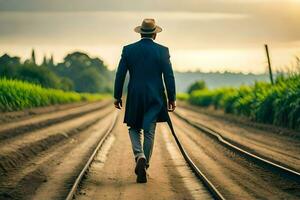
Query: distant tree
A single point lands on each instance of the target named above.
(198, 85)
(77, 72)
(51, 61)
(45, 61)
(33, 56)
(66, 84)
(8, 60)
(88, 74)
(9, 66)
(89, 80)
(39, 75)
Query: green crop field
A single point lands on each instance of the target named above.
(277, 104)
(18, 95)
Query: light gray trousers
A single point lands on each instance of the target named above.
(142, 148)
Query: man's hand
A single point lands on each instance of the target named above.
(118, 103)
(171, 106)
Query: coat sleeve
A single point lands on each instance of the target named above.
(168, 75)
(120, 76)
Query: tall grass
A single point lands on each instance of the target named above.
(277, 104)
(18, 95)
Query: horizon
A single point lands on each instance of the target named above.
(40, 61)
(206, 36)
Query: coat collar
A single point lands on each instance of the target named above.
(147, 39)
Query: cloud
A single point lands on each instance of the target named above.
(139, 5)
(189, 26)
(189, 29)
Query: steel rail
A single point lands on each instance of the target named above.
(75, 185)
(200, 175)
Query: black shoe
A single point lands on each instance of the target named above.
(140, 170)
(135, 170)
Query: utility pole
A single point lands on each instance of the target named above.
(269, 64)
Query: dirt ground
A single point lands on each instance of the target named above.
(28, 161)
(42, 161)
(112, 174)
(280, 146)
(28, 113)
(234, 176)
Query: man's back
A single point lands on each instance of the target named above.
(145, 65)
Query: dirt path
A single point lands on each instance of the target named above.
(111, 176)
(44, 158)
(14, 128)
(42, 164)
(6, 117)
(72, 161)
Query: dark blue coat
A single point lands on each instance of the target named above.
(148, 64)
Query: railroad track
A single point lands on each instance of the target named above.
(80, 176)
(199, 174)
(26, 156)
(270, 165)
(215, 193)
(210, 187)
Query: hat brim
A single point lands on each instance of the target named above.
(139, 30)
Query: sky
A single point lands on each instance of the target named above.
(206, 35)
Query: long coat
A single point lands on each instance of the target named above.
(148, 64)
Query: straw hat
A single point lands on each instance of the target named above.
(148, 27)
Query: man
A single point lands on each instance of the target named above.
(146, 104)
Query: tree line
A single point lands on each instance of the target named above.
(78, 72)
